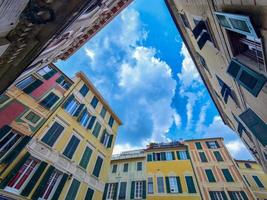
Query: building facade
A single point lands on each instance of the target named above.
(226, 40)
(254, 177)
(68, 155)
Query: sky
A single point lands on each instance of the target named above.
(142, 68)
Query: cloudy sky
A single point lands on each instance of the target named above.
(142, 68)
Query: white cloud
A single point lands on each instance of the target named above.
(90, 53)
(236, 148)
(202, 117)
(177, 120)
(118, 148)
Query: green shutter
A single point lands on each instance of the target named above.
(15, 152)
(98, 166)
(115, 191)
(163, 155)
(13, 171)
(178, 155)
(190, 184)
(210, 175)
(60, 187)
(149, 157)
(217, 144)
(30, 88)
(167, 184)
(224, 195)
(96, 129)
(4, 130)
(227, 175)
(78, 111)
(187, 154)
(198, 145)
(154, 156)
(132, 189)
(180, 190)
(30, 185)
(218, 156)
(74, 187)
(173, 156)
(110, 141)
(203, 157)
(86, 157)
(60, 79)
(144, 190)
(105, 191)
(243, 194)
(39, 190)
(208, 144)
(89, 194)
(258, 182)
(91, 123)
(49, 74)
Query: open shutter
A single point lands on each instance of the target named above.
(190, 184)
(80, 116)
(167, 184)
(67, 102)
(179, 184)
(173, 156)
(30, 88)
(60, 187)
(198, 29)
(49, 74)
(144, 190)
(154, 156)
(178, 155)
(30, 185)
(208, 144)
(115, 191)
(187, 155)
(163, 155)
(4, 130)
(105, 192)
(91, 123)
(103, 136)
(224, 195)
(132, 189)
(203, 39)
(110, 141)
(217, 144)
(39, 190)
(13, 172)
(81, 106)
(149, 157)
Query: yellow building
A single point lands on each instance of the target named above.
(254, 176)
(69, 156)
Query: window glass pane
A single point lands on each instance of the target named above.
(125, 167)
(223, 21)
(138, 189)
(32, 117)
(89, 194)
(150, 185)
(84, 90)
(114, 168)
(52, 183)
(25, 82)
(173, 185)
(111, 121)
(203, 157)
(139, 166)
(160, 183)
(94, 102)
(49, 100)
(168, 156)
(239, 24)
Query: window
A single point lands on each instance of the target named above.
(122, 192)
(96, 129)
(149, 157)
(84, 90)
(247, 165)
(218, 156)
(173, 184)
(169, 156)
(138, 190)
(258, 181)
(17, 183)
(139, 166)
(52, 134)
(210, 175)
(63, 82)
(29, 84)
(51, 184)
(150, 185)
(8, 141)
(182, 155)
(46, 72)
(245, 178)
(212, 144)
(86, 157)
(190, 184)
(240, 195)
(251, 80)
(125, 167)
(49, 100)
(218, 195)
(71, 147)
(227, 175)
(112, 190)
(236, 23)
(98, 166)
(185, 20)
(84, 118)
(103, 112)
(203, 157)
(71, 106)
(74, 187)
(256, 125)
(201, 33)
(89, 194)
(3, 98)
(94, 102)
(111, 121)
(198, 145)
(106, 139)
(32, 117)
(114, 168)
(160, 184)
(226, 91)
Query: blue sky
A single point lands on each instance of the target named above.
(141, 67)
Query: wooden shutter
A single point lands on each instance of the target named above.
(74, 187)
(81, 115)
(71, 147)
(52, 134)
(98, 166)
(13, 171)
(179, 184)
(227, 175)
(178, 155)
(86, 157)
(49, 74)
(89, 194)
(208, 144)
(218, 156)
(198, 145)
(105, 192)
(173, 156)
(144, 190)
(40, 189)
(187, 154)
(163, 155)
(60, 187)
(190, 184)
(30, 88)
(149, 157)
(132, 189)
(154, 156)
(110, 141)
(4, 130)
(217, 144)
(115, 191)
(91, 123)
(168, 184)
(77, 112)
(30, 185)
(243, 194)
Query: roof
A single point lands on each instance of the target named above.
(98, 95)
(246, 161)
(204, 139)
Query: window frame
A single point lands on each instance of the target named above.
(137, 166)
(30, 122)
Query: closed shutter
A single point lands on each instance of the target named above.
(144, 190)
(163, 155)
(60, 79)
(173, 156)
(227, 175)
(154, 156)
(258, 182)
(218, 156)
(60, 187)
(149, 157)
(96, 129)
(198, 145)
(217, 144)
(168, 184)
(224, 195)
(52, 134)
(210, 175)
(74, 187)
(89, 194)
(115, 191)
(187, 155)
(30, 185)
(76, 114)
(49, 74)
(71, 147)
(110, 141)
(122, 193)
(178, 155)
(232, 196)
(208, 144)
(91, 123)
(30, 88)
(81, 115)
(40, 189)
(13, 172)
(67, 102)
(49, 101)
(4, 130)
(15, 152)
(190, 184)
(98, 166)
(243, 194)
(86, 157)
(105, 192)
(179, 184)
(203, 157)
(132, 189)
